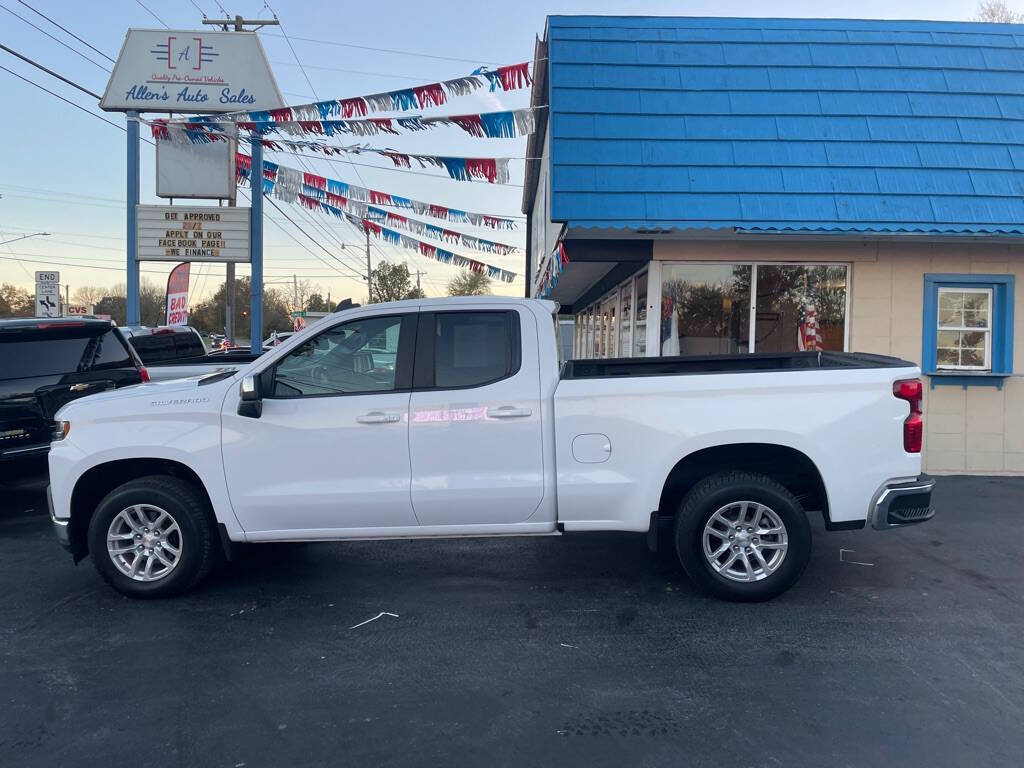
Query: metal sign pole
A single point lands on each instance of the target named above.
(132, 313)
(256, 245)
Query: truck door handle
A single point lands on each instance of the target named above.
(508, 412)
(378, 417)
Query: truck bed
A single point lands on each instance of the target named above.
(703, 364)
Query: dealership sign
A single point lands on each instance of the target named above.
(177, 295)
(162, 70)
(192, 233)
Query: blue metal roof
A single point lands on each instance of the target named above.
(838, 126)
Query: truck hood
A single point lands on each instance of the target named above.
(177, 394)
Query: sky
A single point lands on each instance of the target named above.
(63, 171)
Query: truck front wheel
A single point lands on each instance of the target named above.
(152, 537)
(742, 536)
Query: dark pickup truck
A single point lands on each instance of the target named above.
(45, 363)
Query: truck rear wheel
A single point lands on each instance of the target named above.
(742, 536)
(152, 537)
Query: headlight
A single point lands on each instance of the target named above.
(61, 429)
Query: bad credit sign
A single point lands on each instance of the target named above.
(192, 233)
(195, 71)
(177, 295)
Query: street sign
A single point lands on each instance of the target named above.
(47, 300)
(162, 70)
(192, 233)
(47, 277)
(77, 310)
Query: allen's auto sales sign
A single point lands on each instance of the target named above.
(177, 295)
(162, 70)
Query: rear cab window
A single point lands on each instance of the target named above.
(167, 346)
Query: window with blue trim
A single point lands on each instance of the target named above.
(968, 328)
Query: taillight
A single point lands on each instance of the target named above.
(144, 373)
(912, 391)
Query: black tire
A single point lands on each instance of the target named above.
(717, 491)
(197, 538)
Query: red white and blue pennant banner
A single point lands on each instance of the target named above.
(294, 181)
(431, 251)
(293, 186)
(559, 259)
(508, 78)
(507, 124)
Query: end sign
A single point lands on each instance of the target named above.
(47, 294)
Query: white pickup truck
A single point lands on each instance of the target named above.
(453, 417)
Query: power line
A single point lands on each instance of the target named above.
(194, 5)
(68, 31)
(416, 78)
(387, 50)
(50, 72)
(55, 39)
(57, 95)
(311, 238)
(292, 49)
(152, 14)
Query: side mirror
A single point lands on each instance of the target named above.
(250, 403)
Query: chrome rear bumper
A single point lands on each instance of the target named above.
(905, 503)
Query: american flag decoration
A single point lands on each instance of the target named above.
(808, 333)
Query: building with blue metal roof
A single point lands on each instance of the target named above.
(726, 185)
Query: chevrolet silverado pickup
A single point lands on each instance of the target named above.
(454, 417)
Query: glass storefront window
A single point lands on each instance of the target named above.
(800, 307)
(640, 324)
(626, 320)
(705, 309)
(595, 321)
(608, 317)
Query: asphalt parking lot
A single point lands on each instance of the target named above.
(579, 650)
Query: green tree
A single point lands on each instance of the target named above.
(391, 282)
(316, 303)
(469, 283)
(209, 315)
(16, 302)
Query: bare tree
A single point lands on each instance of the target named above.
(89, 294)
(997, 11)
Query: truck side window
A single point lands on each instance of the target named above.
(474, 348)
(355, 357)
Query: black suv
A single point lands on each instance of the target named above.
(45, 363)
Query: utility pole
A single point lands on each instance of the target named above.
(295, 292)
(256, 234)
(369, 270)
(239, 23)
(418, 273)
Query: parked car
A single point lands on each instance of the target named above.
(164, 343)
(177, 352)
(477, 431)
(46, 363)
